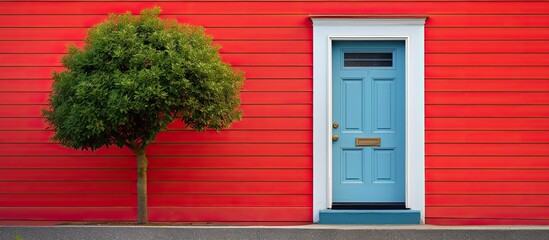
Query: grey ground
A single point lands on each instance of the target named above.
(316, 232)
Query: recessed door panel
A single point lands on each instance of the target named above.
(352, 166)
(352, 105)
(384, 167)
(384, 105)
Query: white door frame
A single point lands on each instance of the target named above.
(327, 30)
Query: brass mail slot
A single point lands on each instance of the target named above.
(367, 142)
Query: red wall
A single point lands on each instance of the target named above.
(487, 107)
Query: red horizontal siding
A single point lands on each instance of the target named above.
(489, 212)
(221, 34)
(486, 59)
(265, 20)
(298, 110)
(42, 34)
(261, 33)
(486, 221)
(186, 214)
(484, 123)
(487, 137)
(109, 200)
(497, 46)
(226, 46)
(495, 187)
(247, 97)
(232, 200)
(189, 214)
(158, 187)
(162, 162)
(43, 85)
(484, 162)
(476, 72)
(250, 72)
(483, 33)
(278, 85)
(536, 175)
(68, 200)
(259, 149)
(476, 98)
(253, 123)
(240, 59)
(487, 79)
(288, 7)
(208, 21)
(453, 149)
(263, 85)
(487, 111)
(69, 214)
(183, 137)
(37, 46)
(487, 200)
(488, 85)
(235, 175)
(64, 175)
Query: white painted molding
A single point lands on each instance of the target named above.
(367, 21)
(411, 30)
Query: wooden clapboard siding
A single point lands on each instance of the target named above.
(486, 162)
(512, 137)
(267, 20)
(158, 187)
(250, 123)
(187, 136)
(266, 110)
(251, 72)
(172, 200)
(163, 162)
(487, 107)
(235, 175)
(247, 97)
(9, 86)
(266, 7)
(223, 149)
(235, 59)
(483, 85)
(486, 123)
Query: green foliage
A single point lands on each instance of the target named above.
(133, 77)
(18, 237)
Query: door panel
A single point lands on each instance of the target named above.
(384, 110)
(353, 117)
(352, 166)
(368, 103)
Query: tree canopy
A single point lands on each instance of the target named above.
(133, 77)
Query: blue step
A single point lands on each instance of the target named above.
(369, 217)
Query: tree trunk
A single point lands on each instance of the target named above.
(142, 214)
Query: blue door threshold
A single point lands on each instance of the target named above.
(369, 217)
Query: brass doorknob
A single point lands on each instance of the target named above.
(335, 137)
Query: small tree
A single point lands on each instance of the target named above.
(133, 77)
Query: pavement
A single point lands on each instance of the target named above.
(313, 231)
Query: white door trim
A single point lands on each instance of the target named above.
(326, 30)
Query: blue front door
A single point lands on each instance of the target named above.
(368, 129)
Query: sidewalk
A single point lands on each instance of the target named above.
(316, 232)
